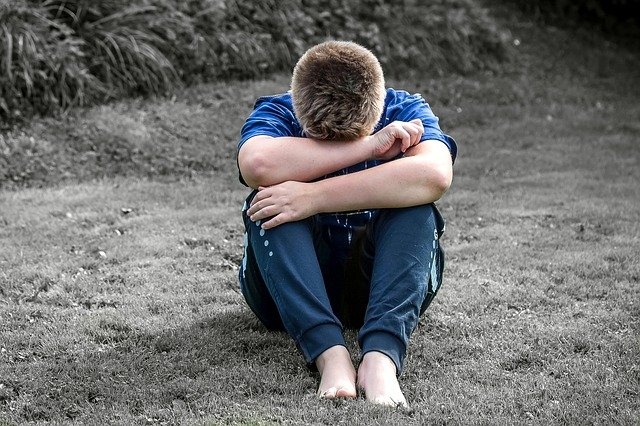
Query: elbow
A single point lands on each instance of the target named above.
(445, 177)
(254, 168)
(435, 169)
(440, 180)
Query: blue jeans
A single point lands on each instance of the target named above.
(296, 277)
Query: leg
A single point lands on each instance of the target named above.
(404, 279)
(282, 283)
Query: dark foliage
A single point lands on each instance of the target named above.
(42, 65)
(55, 54)
(618, 17)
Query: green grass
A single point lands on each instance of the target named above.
(119, 301)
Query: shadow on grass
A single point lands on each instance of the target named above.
(216, 362)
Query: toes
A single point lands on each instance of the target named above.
(328, 394)
(383, 400)
(345, 393)
(399, 403)
(337, 392)
(388, 401)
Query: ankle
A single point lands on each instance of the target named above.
(337, 353)
(378, 361)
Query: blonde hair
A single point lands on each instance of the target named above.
(338, 91)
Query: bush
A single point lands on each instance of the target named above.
(124, 44)
(58, 53)
(257, 37)
(41, 64)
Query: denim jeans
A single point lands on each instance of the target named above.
(299, 277)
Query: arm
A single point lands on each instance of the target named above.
(266, 161)
(422, 176)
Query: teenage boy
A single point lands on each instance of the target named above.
(341, 229)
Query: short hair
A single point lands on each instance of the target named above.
(338, 91)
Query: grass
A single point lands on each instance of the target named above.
(118, 294)
(155, 140)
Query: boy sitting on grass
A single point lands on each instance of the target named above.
(341, 229)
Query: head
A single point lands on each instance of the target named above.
(338, 91)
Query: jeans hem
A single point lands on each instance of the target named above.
(386, 343)
(320, 338)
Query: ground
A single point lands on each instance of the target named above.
(119, 300)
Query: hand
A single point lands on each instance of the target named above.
(285, 202)
(396, 138)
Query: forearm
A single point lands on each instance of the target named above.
(420, 177)
(266, 161)
(407, 181)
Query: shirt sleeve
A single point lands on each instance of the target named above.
(271, 116)
(268, 118)
(414, 106)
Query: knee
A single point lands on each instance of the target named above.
(424, 215)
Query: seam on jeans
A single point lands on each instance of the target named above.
(433, 275)
(425, 289)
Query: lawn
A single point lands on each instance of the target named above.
(121, 239)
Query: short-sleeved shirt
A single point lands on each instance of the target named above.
(274, 116)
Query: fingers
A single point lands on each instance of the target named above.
(396, 138)
(409, 132)
(272, 217)
(264, 212)
(274, 221)
(261, 195)
(266, 205)
(418, 122)
(285, 202)
(405, 137)
(256, 206)
(417, 129)
(261, 208)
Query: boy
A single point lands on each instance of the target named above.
(340, 228)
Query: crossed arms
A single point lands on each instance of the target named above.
(284, 169)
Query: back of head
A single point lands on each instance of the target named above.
(338, 91)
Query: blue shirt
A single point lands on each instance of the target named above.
(274, 116)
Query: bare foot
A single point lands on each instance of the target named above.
(377, 377)
(337, 372)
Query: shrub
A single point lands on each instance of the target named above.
(429, 37)
(124, 43)
(41, 64)
(252, 38)
(59, 53)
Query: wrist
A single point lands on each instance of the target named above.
(366, 147)
(316, 196)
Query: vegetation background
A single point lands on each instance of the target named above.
(120, 235)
